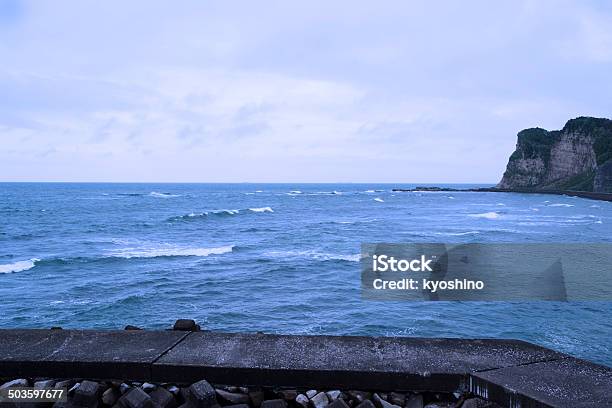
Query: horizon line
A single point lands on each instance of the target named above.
(240, 182)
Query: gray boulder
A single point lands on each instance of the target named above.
(232, 398)
(136, 398)
(162, 398)
(110, 396)
(86, 394)
(202, 395)
(414, 401)
(319, 401)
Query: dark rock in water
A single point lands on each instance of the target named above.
(186, 325)
(86, 394)
(275, 403)
(366, 404)
(130, 327)
(576, 158)
(136, 398)
(256, 397)
(338, 403)
(414, 401)
(56, 328)
(202, 395)
(110, 396)
(232, 398)
(162, 398)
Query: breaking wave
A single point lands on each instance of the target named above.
(261, 210)
(457, 234)
(218, 213)
(311, 254)
(19, 266)
(163, 195)
(168, 251)
(488, 215)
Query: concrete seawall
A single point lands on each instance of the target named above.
(509, 372)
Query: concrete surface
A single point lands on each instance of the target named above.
(509, 372)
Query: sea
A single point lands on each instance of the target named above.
(275, 258)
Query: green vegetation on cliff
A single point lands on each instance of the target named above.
(578, 157)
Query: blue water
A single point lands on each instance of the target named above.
(273, 258)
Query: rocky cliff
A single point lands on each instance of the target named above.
(577, 157)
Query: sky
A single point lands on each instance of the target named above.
(299, 91)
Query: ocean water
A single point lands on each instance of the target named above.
(274, 258)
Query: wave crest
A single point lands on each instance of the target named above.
(488, 215)
(19, 266)
(169, 251)
(261, 210)
(162, 195)
(218, 213)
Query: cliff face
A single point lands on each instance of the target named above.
(578, 157)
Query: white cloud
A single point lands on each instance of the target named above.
(208, 92)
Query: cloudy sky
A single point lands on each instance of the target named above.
(312, 91)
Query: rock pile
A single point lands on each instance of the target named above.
(84, 393)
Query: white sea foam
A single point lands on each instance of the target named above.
(207, 213)
(380, 200)
(488, 215)
(167, 250)
(312, 254)
(457, 234)
(19, 266)
(261, 210)
(219, 213)
(162, 195)
(370, 191)
(560, 205)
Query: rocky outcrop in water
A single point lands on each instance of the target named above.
(577, 157)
